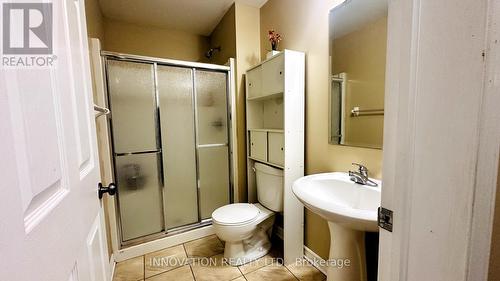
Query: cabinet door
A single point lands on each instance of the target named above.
(273, 73)
(254, 82)
(276, 149)
(258, 145)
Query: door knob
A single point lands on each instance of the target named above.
(111, 189)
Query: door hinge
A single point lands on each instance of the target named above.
(385, 218)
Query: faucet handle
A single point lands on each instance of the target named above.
(362, 169)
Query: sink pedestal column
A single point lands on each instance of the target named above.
(347, 260)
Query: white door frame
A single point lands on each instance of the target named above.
(441, 139)
(103, 142)
(488, 153)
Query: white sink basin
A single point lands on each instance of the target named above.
(351, 210)
(337, 199)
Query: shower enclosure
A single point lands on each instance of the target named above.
(170, 141)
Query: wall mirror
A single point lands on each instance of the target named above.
(358, 39)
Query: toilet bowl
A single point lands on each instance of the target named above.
(245, 227)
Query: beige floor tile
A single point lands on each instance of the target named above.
(275, 256)
(164, 260)
(306, 272)
(271, 273)
(239, 279)
(259, 263)
(130, 270)
(179, 274)
(204, 247)
(214, 270)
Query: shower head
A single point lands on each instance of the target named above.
(210, 52)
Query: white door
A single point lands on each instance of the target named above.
(50, 216)
(441, 139)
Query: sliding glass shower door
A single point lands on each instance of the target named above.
(136, 147)
(175, 91)
(212, 140)
(170, 143)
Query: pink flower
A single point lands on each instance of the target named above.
(274, 37)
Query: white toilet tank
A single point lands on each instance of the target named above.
(269, 186)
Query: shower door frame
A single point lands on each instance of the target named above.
(231, 134)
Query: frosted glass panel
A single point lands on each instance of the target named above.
(175, 89)
(139, 195)
(212, 107)
(214, 179)
(133, 109)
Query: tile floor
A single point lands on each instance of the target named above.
(185, 263)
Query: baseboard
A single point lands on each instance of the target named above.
(156, 245)
(315, 259)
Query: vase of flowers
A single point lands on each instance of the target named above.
(274, 38)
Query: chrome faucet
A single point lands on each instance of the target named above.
(361, 176)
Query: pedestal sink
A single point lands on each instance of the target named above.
(351, 210)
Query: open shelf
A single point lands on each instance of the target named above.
(266, 113)
(266, 97)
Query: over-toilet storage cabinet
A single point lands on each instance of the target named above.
(275, 106)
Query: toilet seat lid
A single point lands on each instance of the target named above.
(234, 214)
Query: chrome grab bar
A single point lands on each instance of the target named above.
(355, 111)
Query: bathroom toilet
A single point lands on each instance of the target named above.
(245, 228)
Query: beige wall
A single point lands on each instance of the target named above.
(143, 40)
(247, 55)
(95, 20)
(238, 35)
(361, 54)
(494, 270)
(224, 35)
(304, 27)
(152, 41)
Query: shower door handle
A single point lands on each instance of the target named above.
(110, 189)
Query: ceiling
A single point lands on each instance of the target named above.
(353, 14)
(193, 16)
